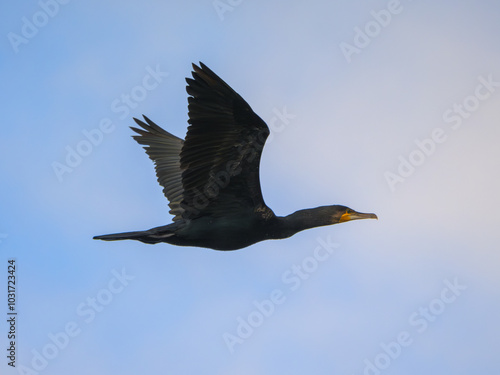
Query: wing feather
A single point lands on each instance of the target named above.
(164, 149)
(221, 153)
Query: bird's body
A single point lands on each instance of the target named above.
(226, 233)
(211, 178)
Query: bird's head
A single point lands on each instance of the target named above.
(316, 217)
(341, 214)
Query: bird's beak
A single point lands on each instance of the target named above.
(356, 216)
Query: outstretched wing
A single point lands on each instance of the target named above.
(221, 153)
(164, 149)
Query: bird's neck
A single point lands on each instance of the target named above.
(301, 220)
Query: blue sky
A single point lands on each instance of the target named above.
(405, 126)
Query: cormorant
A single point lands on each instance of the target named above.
(211, 178)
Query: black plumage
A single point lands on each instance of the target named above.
(211, 179)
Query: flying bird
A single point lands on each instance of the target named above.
(211, 178)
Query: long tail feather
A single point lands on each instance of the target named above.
(152, 236)
(121, 236)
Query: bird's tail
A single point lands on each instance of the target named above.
(151, 236)
(120, 236)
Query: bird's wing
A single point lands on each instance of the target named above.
(221, 153)
(164, 149)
